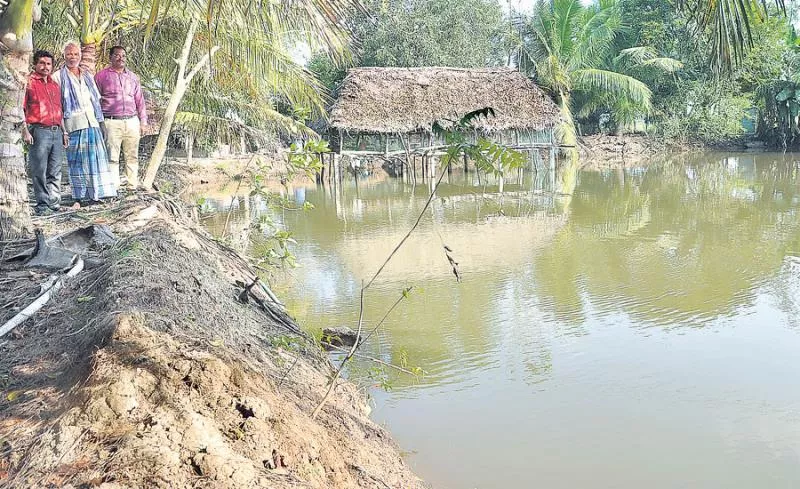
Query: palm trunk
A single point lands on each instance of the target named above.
(15, 32)
(89, 57)
(181, 84)
(189, 148)
(15, 220)
(567, 134)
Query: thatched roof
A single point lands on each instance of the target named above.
(400, 100)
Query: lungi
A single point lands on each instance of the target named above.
(87, 158)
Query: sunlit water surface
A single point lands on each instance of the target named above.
(632, 328)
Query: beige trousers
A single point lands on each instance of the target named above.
(123, 134)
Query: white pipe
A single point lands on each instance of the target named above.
(41, 300)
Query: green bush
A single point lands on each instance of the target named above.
(706, 114)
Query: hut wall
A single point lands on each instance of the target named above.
(363, 141)
(537, 138)
(395, 144)
(377, 143)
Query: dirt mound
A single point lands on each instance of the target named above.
(605, 150)
(151, 371)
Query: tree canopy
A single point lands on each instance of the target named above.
(400, 33)
(458, 33)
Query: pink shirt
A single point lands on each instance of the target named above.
(121, 94)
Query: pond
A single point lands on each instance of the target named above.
(622, 328)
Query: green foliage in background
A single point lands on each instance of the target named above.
(462, 33)
(708, 113)
(696, 104)
(402, 33)
(571, 51)
(780, 118)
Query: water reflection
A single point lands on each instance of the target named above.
(677, 243)
(612, 328)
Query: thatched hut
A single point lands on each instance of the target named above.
(392, 110)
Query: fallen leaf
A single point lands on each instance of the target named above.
(12, 396)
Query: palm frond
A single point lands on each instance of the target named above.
(668, 65)
(614, 83)
(637, 54)
(727, 25)
(646, 56)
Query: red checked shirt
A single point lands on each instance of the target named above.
(42, 102)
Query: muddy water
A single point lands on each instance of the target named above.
(634, 328)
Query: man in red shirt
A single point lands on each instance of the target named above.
(44, 131)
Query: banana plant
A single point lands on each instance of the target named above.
(780, 117)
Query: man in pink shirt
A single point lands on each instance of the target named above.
(125, 115)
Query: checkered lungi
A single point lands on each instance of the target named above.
(89, 175)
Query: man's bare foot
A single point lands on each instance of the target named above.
(76, 206)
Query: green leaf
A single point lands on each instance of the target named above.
(784, 94)
(794, 108)
(476, 114)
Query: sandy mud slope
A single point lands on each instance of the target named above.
(152, 368)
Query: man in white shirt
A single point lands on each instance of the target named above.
(87, 158)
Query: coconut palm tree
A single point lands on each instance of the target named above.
(16, 22)
(567, 48)
(642, 63)
(264, 38)
(95, 20)
(250, 68)
(231, 102)
(726, 24)
(236, 89)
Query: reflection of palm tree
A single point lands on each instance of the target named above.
(666, 249)
(566, 178)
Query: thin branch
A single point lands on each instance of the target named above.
(414, 227)
(347, 358)
(206, 57)
(364, 288)
(376, 360)
(296, 359)
(383, 319)
(187, 49)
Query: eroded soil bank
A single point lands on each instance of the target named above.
(152, 368)
(609, 151)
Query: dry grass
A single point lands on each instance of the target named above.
(401, 100)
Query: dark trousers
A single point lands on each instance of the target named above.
(45, 157)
